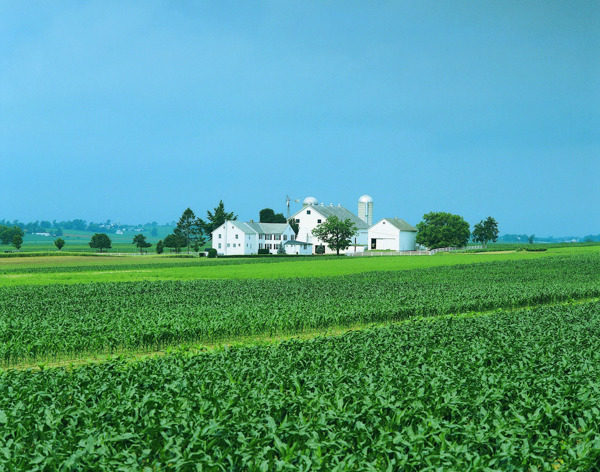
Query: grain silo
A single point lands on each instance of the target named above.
(365, 209)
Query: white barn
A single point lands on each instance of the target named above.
(393, 234)
(312, 214)
(234, 238)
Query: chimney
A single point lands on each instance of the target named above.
(251, 221)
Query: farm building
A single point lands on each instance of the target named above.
(298, 247)
(392, 234)
(313, 214)
(237, 238)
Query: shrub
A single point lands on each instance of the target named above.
(264, 251)
(212, 253)
(320, 249)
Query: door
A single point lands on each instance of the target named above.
(373, 243)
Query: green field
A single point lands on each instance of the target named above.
(77, 241)
(446, 362)
(86, 269)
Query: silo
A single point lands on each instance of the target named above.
(365, 209)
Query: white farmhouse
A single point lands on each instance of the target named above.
(392, 234)
(312, 214)
(239, 239)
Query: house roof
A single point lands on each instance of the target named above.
(258, 228)
(339, 211)
(400, 224)
(297, 243)
(268, 228)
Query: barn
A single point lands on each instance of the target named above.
(392, 234)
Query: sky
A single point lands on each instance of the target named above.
(134, 111)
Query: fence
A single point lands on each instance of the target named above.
(409, 253)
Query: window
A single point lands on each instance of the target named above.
(318, 221)
(233, 244)
(219, 245)
(220, 235)
(237, 236)
(260, 236)
(260, 245)
(292, 237)
(297, 220)
(308, 212)
(228, 245)
(269, 237)
(285, 237)
(278, 237)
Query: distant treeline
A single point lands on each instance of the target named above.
(45, 226)
(523, 238)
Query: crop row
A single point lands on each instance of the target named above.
(504, 391)
(63, 321)
(174, 263)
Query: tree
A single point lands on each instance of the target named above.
(295, 226)
(215, 219)
(58, 232)
(140, 241)
(531, 238)
(17, 241)
(100, 241)
(267, 215)
(159, 247)
(486, 231)
(174, 241)
(189, 229)
(337, 234)
(59, 243)
(7, 234)
(154, 232)
(440, 229)
(281, 249)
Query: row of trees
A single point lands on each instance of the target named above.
(193, 232)
(441, 229)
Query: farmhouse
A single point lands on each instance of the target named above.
(392, 234)
(237, 238)
(313, 214)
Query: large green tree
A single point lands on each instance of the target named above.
(7, 234)
(215, 219)
(140, 241)
(486, 231)
(189, 228)
(440, 229)
(174, 241)
(336, 233)
(100, 241)
(267, 215)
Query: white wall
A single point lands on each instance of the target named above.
(231, 239)
(305, 250)
(391, 238)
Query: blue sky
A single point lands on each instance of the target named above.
(134, 111)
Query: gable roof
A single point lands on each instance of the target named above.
(268, 228)
(296, 243)
(258, 228)
(400, 224)
(339, 211)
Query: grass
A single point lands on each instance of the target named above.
(180, 269)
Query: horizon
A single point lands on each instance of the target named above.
(134, 112)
